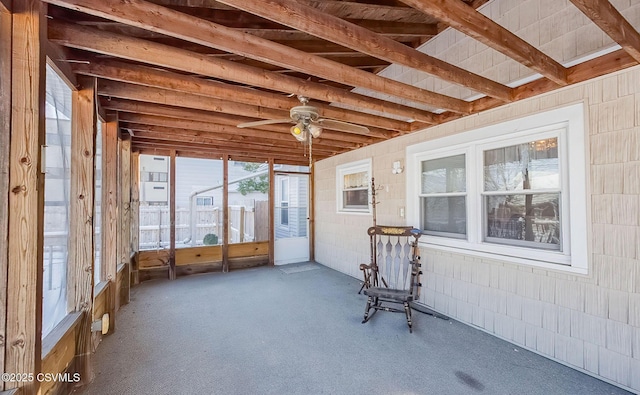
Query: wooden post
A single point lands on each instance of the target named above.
(26, 191)
(81, 242)
(312, 214)
(172, 215)
(272, 200)
(135, 212)
(110, 214)
(225, 214)
(241, 225)
(5, 140)
(124, 211)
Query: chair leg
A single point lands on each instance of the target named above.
(407, 311)
(366, 273)
(366, 311)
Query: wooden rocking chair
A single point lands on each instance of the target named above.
(396, 265)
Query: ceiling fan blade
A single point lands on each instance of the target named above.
(264, 122)
(343, 126)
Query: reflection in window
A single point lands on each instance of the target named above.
(522, 194)
(443, 209)
(56, 196)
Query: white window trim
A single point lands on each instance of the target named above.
(282, 200)
(350, 168)
(573, 144)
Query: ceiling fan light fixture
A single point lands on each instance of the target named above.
(315, 130)
(298, 131)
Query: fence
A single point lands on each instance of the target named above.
(246, 224)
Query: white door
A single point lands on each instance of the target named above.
(291, 225)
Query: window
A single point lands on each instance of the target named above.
(204, 201)
(521, 196)
(352, 186)
(514, 191)
(443, 196)
(284, 201)
(57, 187)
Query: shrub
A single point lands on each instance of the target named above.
(210, 239)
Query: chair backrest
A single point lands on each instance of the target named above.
(394, 256)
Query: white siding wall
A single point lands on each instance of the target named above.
(588, 322)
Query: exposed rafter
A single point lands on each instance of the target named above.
(178, 59)
(609, 19)
(339, 31)
(189, 28)
(472, 23)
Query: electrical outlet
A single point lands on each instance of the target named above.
(401, 212)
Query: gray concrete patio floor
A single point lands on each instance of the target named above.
(264, 331)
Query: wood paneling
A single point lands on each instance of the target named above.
(197, 255)
(122, 284)
(26, 193)
(59, 351)
(81, 241)
(243, 250)
(153, 259)
(5, 135)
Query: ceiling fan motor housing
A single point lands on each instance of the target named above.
(301, 113)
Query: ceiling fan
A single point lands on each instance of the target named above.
(308, 123)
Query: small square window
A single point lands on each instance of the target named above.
(352, 186)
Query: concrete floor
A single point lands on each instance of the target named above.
(264, 331)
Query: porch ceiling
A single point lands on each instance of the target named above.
(181, 74)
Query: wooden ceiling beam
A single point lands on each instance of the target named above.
(153, 77)
(227, 132)
(126, 106)
(246, 151)
(179, 99)
(143, 150)
(168, 135)
(609, 19)
(93, 40)
(164, 20)
(163, 96)
(466, 19)
(339, 31)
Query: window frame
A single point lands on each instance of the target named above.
(347, 169)
(568, 125)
